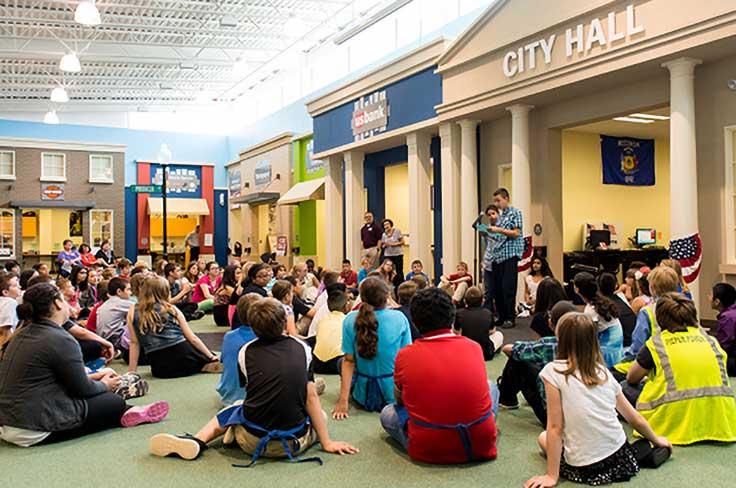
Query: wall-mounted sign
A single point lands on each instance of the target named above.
(370, 115)
(183, 180)
(281, 245)
(52, 191)
(312, 165)
(600, 32)
(262, 172)
(234, 181)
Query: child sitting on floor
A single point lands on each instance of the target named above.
(584, 441)
(328, 344)
(281, 415)
(229, 387)
(457, 284)
(723, 300)
(476, 323)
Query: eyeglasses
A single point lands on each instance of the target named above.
(263, 275)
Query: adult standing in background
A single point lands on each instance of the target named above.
(370, 236)
(392, 243)
(192, 242)
(506, 255)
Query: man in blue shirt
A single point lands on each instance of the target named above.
(505, 258)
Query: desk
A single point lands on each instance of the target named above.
(612, 260)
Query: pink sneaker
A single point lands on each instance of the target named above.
(147, 414)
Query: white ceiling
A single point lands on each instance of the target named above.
(659, 129)
(133, 60)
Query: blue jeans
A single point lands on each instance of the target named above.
(394, 417)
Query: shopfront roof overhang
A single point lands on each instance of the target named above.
(304, 191)
(178, 206)
(258, 198)
(79, 204)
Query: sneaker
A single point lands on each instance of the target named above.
(649, 456)
(511, 406)
(147, 414)
(508, 325)
(320, 385)
(213, 367)
(184, 446)
(523, 314)
(197, 314)
(131, 386)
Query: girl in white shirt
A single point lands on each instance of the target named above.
(584, 441)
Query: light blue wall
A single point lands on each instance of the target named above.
(142, 145)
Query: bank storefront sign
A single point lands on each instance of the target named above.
(601, 32)
(262, 172)
(370, 115)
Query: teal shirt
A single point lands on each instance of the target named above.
(393, 334)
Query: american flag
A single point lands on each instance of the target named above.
(688, 251)
(526, 257)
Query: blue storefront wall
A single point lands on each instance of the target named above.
(410, 100)
(374, 174)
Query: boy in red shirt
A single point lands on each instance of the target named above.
(348, 275)
(458, 283)
(441, 417)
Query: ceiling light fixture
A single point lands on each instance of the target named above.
(59, 95)
(377, 17)
(650, 116)
(633, 120)
(51, 118)
(70, 63)
(187, 65)
(87, 13)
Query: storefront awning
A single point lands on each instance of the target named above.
(79, 204)
(178, 206)
(304, 191)
(257, 198)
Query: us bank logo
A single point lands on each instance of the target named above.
(370, 115)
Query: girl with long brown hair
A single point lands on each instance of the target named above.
(584, 441)
(372, 337)
(161, 331)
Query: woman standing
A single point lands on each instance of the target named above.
(371, 339)
(160, 328)
(46, 394)
(392, 243)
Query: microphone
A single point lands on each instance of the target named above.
(477, 221)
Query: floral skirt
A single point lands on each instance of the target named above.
(619, 466)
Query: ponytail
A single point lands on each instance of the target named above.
(366, 331)
(604, 307)
(374, 293)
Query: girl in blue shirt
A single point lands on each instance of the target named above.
(371, 339)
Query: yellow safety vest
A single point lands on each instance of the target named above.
(624, 366)
(688, 397)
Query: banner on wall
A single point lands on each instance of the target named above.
(627, 161)
(312, 165)
(262, 172)
(182, 180)
(234, 183)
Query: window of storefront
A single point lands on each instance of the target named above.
(53, 167)
(7, 233)
(730, 134)
(101, 227)
(7, 165)
(100, 168)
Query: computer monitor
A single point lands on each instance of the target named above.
(600, 239)
(645, 237)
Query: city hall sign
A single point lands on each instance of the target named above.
(599, 32)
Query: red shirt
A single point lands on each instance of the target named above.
(88, 259)
(350, 278)
(435, 393)
(92, 319)
(457, 276)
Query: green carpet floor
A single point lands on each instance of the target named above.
(120, 457)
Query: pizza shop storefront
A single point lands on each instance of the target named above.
(589, 115)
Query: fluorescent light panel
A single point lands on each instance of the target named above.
(650, 116)
(633, 120)
(377, 17)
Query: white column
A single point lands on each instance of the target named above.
(420, 213)
(354, 204)
(683, 163)
(450, 154)
(333, 211)
(468, 192)
(521, 186)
